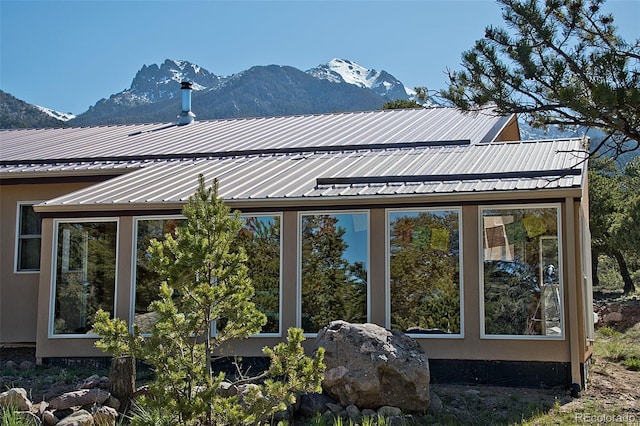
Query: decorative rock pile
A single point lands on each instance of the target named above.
(85, 407)
(370, 372)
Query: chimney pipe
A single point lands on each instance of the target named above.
(186, 116)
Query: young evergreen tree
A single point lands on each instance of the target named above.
(560, 62)
(206, 302)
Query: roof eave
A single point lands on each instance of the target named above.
(333, 201)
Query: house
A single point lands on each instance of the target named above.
(439, 223)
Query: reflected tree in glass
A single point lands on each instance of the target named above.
(85, 274)
(334, 279)
(425, 271)
(260, 238)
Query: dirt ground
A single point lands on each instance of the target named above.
(612, 395)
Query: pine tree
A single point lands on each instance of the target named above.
(560, 62)
(206, 302)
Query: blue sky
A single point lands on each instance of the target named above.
(67, 55)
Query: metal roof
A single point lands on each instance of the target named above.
(380, 172)
(110, 145)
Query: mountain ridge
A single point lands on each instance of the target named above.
(262, 90)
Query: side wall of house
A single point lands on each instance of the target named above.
(19, 290)
(470, 345)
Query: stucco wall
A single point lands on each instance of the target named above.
(19, 291)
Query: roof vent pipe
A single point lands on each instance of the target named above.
(186, 116)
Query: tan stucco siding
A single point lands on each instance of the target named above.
(19, 291)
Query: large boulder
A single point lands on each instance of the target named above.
(370, 367)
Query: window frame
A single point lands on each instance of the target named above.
(299, 259)
(54, 266)
(560, 272)
(388, 213)
(134, 263)
(19, 237)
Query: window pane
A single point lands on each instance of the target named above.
(85, 274)
(261, 240)
(30, 223)
(521, 276)
(28, 239)
(147, 282)
(334, 269)
(425, 271)
(29, 254)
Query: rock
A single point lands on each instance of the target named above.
(113, 402)
(227, 390)
(91, 382)
(79, 398)
(105, 416)
(26, 365)
(388, 412)
(104, 382)
(353, 412)
(397, 421)
(79, 418)
(61, 414)
(312, 403)
(612, 317)
(10, 365)
(335, 408)
(39, 408)
(248, 391)
(369, 413)
(435, 405)
(370, 367)
(49, 418)
(17, 398)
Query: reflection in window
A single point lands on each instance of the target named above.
(260, 237)
(29, 230)
(147, 283)
(424, 269)
(85, 274)
(334, 269)
(522, 289)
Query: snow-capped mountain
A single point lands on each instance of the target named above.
(62, 116)
(345, 71)
(155, 83)
(339, 85)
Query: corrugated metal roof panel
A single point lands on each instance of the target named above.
(423, 170)
(144, 141)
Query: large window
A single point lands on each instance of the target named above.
(85, 273)
(424, 271)
(260, 237)
(333, 268)
(147, 282)
(521, 271)
(28, 239)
